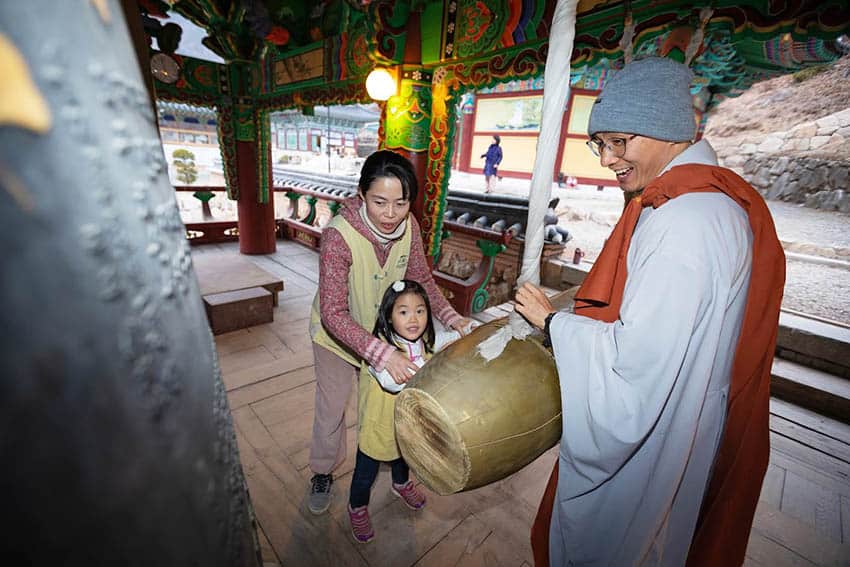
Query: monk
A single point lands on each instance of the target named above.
(664, 363)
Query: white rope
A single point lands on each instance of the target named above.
(556, 88)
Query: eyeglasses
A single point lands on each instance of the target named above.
(617, 146)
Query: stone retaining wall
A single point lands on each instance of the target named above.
(808, 164)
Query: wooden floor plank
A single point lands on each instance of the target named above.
(472, 543)
(291, 272)
(294, 313)
(507, 515)
(809, 471)
(268, 388)
(525, 484)
(812, 504)
(258, 373)
(267, 554)
(797, 537)
(771, 488)
(266, 336)
(460, 543)
(764, 551)
(822, 464)
(263, 447)
(229, 343)
(286, 405)
(813, 420)
(296, 538)
(295, 335)
(810, 438)
(293, 435)
(247, 358)
(252, 430)
(295, 308)
(402, 536)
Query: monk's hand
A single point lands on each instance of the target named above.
(533, 304)
(400, 367)
(462, 326)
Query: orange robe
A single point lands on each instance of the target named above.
(730, 501)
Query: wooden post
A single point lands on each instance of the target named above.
(256, 219)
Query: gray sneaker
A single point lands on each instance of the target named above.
(320, 493)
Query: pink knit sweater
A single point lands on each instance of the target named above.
(334, 264)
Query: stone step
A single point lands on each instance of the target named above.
(232, 310)
(812, 389)
(814, 342)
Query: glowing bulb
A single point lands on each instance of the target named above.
(380, 84)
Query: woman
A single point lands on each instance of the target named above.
(492, 159)
(373, 242)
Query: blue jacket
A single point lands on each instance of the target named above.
(492, 159)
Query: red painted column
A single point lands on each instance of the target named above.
(256, 220)
(418, 159)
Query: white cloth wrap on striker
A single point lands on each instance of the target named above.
(556, 88)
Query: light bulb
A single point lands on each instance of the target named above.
(380, 84)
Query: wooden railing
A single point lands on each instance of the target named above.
(306, 229)
(208, 231)
(303, 224)
(467, 295)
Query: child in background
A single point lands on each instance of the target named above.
(404, 320)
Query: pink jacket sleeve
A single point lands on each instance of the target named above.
(334, 265)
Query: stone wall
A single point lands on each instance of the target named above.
(808, 164)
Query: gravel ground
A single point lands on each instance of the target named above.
(826, 232)
(813, 288)
(818, 290)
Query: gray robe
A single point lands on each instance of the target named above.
(644, 398)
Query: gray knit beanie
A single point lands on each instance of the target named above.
(650, 97)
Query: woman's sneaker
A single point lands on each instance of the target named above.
(361, 525)
(320, 493)
(407, 492)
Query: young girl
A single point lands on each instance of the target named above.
(373, 242)
(404, 320)
(403, 302)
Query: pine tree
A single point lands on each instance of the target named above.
(184, 163)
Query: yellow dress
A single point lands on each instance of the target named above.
(376, 411)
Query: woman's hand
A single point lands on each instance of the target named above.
(533, 304)
(400, 367)
(462, 326)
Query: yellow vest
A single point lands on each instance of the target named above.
(367, 282)
(376, 418)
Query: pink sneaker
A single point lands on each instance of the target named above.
(414, 499)
(361, 525)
